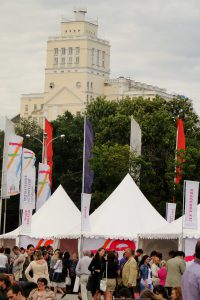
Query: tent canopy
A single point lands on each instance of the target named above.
(174, 230)
(124, 214)
(56, 217)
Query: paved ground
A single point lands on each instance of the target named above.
(68, 297)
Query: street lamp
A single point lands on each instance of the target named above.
(44, 146)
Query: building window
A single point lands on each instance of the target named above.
(103, 59)
(98, 57)
(92, 56)
(26, 108)
(55, 51)
(63, 51)
(63, 60)
(70, 60)
(77, 60)
(51, 85)
(42, 105)
(77, 50)
(35, 106)
(87, 99)
(55, 60)
(90, 98)
(88, 85)
(70, 50)
(91, 86)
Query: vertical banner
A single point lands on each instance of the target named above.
(85, 210)
(9, 130)
(170, 212)
(49, 147)
(191, 200)
(135, 137)
(180, 145)
(13, 174)
(27, 195)
(26, 221)
(88, 173)
(43, 189)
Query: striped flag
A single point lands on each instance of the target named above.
(43, 188)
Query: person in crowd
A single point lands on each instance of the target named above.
(28, 259)
(42, 291)
(124, 293)
(96, 268)
(160, 290)
(22, 250)
(50, 250)
(145, 273)
(66, 267)
(177, 294)
(39, 268)
(129, 271)
(175, 269)
(15, 292)
(172, 254)
(152, 255)
(58, 280)
(122, 261)
(3, 261)
(53, 261)
(83, 272)
(26, 286)
(46, 257)
(138, 255)
(190, 282)
(111, 268)
(72, 269)
(155, 267)
(162, 273)
(4, 285)
(7, 252)
(148, 294)
(17, 263)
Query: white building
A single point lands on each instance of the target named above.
(77, 71)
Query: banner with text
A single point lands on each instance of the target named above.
(13, 174)
(26, 221)
(43, 188)
(27, 195)
(85, 210)
(191, 200)
(170, 212)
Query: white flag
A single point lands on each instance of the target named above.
(85, 210)
(191, 200)
(27, 195)
(9, 130)
(171, 212)
(43, 189)
(135, 137)
(13, 169)
(26, 221)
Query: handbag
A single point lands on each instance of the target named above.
(68, 280)
(103, 282)
(76, 285)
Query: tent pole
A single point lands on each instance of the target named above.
(183, 211)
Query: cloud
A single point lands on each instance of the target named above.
(153, 41)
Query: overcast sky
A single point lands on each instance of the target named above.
(152, 41)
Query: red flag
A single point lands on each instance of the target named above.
(180, 145)
(49, 148)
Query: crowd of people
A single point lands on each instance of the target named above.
(40, 274)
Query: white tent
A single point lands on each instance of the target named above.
(174, 230)
(56, 217)
(124, 214)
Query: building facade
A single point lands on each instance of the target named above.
(77, 71)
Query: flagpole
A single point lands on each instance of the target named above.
(4, 221)
(183, 212)
(83, 183)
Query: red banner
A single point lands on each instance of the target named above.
(49, 147)
(180, 145)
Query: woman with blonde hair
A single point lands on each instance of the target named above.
(39, 268)
(162, 273)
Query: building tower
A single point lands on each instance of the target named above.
(77, 65)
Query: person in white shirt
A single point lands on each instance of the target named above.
(58, 280)
(83, 272)
(3, 261)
